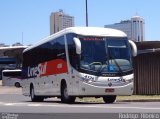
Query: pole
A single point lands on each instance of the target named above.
(86, 14)
(22, 38)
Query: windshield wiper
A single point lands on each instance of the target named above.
(116, 63)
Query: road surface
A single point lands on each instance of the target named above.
(17, 103)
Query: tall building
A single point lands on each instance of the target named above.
(134, 28)
(60, 20)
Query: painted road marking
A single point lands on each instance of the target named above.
(75, 106)
(34, 105)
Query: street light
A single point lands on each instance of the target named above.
(86, 14)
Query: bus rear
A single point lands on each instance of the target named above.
(11, 78)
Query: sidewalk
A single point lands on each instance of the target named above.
(139, 98)
(9, 89)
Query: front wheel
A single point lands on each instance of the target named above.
(109, 98)
(65, 98)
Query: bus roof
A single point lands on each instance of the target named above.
(86, 31)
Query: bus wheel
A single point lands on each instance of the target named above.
(109, 98)
(65, 98)
(17, 84)
(35, 98)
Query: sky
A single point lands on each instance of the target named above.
(27, 21)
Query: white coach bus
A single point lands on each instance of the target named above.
(12, 77)
(79, 62)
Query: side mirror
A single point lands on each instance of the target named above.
(134, 48)
(78, 45)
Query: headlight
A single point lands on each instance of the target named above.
(129, 80)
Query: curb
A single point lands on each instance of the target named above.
(140, 100)
(136, 100)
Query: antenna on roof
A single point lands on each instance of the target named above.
(137, 13)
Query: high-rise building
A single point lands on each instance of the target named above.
(60, 20)
(134, 28)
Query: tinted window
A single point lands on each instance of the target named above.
(72, 50)
(13, 74)
(54, 49)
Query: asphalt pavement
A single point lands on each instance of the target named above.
(14, 90)
(13, 103)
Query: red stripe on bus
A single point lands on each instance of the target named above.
(57, 66)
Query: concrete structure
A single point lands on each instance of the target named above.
(147, 68)
(3, 45)
(60, 20)
(134, 28)
(11, 57)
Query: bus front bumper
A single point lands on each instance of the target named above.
(91, 90)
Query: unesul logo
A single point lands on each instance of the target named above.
(37, 71)
(116, 80)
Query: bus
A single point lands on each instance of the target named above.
(6, 63)
(79, 62)
(11, 78)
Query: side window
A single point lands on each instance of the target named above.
(37, 55)
(58, 48)
(72, 50)
(12, 74)
(61, 48)
(51, 50)
(45, 52)
(27, 59)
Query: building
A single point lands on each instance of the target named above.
(60, 20)
(134, 28)
(11, 57)
(17, 44)
(3, 45)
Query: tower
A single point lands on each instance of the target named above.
(137, 24)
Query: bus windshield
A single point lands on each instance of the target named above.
(105, 54)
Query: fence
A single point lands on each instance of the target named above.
(147, 74)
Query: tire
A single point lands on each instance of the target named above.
(17, 84)
(109, 99)
(65, 98)
(35, 98)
